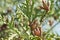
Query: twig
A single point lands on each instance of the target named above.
(51, 28)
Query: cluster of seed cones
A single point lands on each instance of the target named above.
(35, 28)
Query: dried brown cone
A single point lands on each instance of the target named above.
(3, 27)
(55, 17)
(16, 25)
(37, 31)
(9, 10)
(46, 6)
(51, 22)
(33, 24)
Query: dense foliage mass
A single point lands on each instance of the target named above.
(29, 19)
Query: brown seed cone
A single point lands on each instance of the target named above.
(45, 6)
(33, 24)
(37, 31)
(9, 9)
(16, 25)
(55, 17)
(51, 22)
(3, 27)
